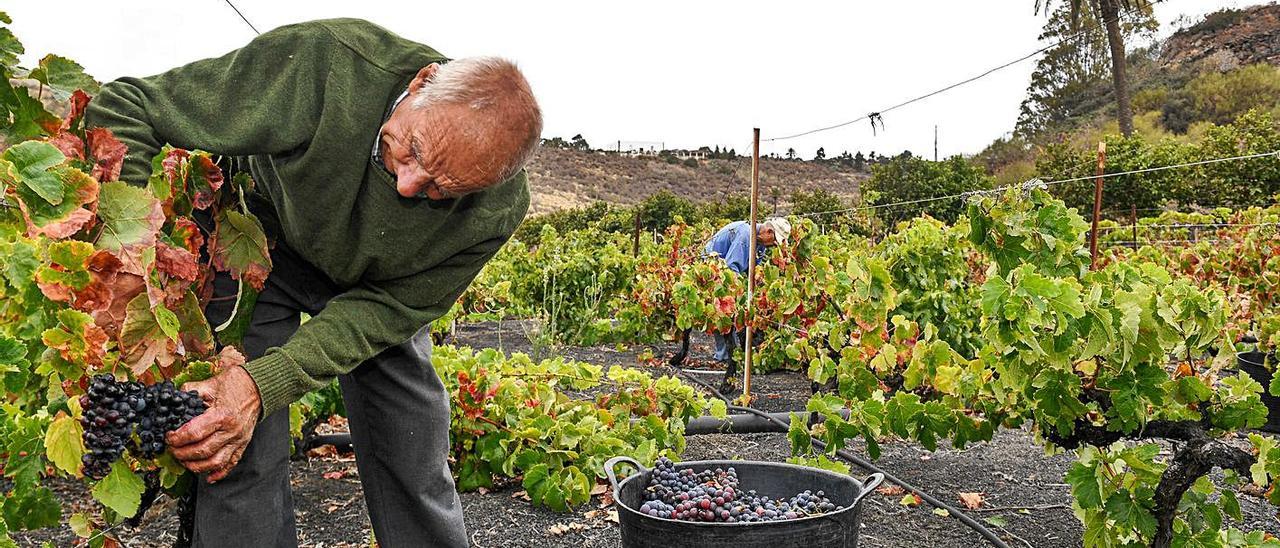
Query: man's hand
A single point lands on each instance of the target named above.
(213, 442)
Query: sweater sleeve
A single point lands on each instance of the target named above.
(360, 323)
(261, 99)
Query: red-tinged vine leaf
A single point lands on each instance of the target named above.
(131, 218)
(121, 490)
(32, 161)
(64, 220)
(196, 336)
(168, 181)
(239, 246)
(891, 490)
(186, 234)
(911, 499)
(177, 262)
(121, 288)
(63, 444)
(143, 342)
(107, 153)
(67, 271)
(69, 144)
(206, 178)
(78, 102)
(75, 345)
(972, 501)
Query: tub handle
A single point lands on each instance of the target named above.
(612, 463)
(868, 485)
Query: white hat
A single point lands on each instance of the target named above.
(781, 228)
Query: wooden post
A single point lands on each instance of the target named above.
(635, 243)
(1133, 221)
(751, 263)
(1097, 205)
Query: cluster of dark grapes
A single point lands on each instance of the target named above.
(114, 411)
(715, 496)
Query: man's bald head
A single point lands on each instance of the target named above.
(470, 124)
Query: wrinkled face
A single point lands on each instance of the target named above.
(765, 235)
(433, 152)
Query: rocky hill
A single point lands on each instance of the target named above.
(1228, 39)
(562, 179)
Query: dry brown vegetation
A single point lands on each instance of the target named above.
(563, 179)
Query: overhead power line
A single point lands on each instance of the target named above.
(876, 116)
(243, 18)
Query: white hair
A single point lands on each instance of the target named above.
(493, 86)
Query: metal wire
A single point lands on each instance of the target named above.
(877, 114)
(1044, 183)
(243, 18)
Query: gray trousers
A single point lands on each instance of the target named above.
(398, 411)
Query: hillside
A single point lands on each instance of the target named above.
(1228, 39)
(562, 179)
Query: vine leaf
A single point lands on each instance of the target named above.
(107, 153)
(206, 179)
(117, 288)
(131, 218)
(34, 509)
(66, 272)
(63, 75)
(121, 490)
(32, 160)
(239, 245)
(143, 341)
(78, 343)
(63, 444)
(28, 115)
(194, 332)
(73, 214)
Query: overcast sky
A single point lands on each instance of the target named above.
(684, 73)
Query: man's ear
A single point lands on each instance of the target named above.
(425, 74)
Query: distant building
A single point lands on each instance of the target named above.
(700, 154)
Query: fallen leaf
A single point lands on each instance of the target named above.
(890, 490)
(612, 516)
(560, 529)
(606, 499)
(322, 451)
(972, 501)
(941, 512)
(482, 490)
(911, 499)
(599, 489)
(335, 475)
(996, 521)
(520, 495)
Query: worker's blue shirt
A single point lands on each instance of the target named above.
(733, 243)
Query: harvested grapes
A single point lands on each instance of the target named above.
(716, 496)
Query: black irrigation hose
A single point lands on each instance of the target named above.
(862, 463)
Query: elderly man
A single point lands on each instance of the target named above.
(733, 244)
(386, 177)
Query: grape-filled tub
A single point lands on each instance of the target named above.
(832, 529)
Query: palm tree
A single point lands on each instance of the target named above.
(1108, 11)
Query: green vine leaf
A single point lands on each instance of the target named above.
(121, 490)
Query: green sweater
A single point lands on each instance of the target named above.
(303, 104)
